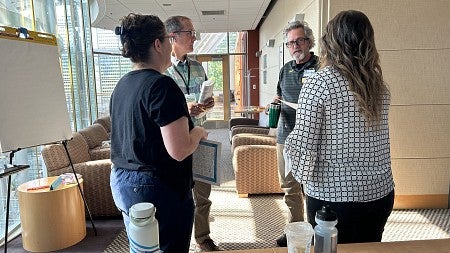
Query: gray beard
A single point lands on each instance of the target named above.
(300, 57)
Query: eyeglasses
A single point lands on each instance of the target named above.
(167, 37)
(300, 41)
(191, 33)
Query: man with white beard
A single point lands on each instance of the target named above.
(299, 40)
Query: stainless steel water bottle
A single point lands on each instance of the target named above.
(143, 231)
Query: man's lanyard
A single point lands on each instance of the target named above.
(188, 75)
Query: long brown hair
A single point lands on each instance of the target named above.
(348, 44)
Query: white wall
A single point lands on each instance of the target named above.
(281, 14)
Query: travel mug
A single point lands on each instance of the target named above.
(274, 114)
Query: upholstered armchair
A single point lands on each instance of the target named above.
(242, 121)
(245, 125)
(105, 121)
(95, 173)
(255, 164)
(97, 139)
(248, 129)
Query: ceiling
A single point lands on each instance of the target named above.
(238, 15)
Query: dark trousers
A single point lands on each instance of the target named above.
(357, 221)
(175, 213)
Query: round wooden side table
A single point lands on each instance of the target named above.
(50, 220)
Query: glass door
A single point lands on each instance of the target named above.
(217, 69)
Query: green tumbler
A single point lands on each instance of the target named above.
(274, 114)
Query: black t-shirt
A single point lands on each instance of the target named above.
(142, 102)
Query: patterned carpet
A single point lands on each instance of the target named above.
(255, 222)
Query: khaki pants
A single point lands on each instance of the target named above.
(293, 194)
(201, 194)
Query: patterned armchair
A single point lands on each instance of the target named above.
(95, 136)
(242, 121)
(248, 129)
(255, 164)
(245, 125)
(95, 173)
(105, 122)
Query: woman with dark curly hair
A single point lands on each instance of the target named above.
(152, 134)
(340, 148)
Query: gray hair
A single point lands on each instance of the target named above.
(303, 25)
(175, 23)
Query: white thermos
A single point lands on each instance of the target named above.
(325, 233)
(143, 231)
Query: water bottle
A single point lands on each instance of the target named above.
(143, 231)
(325, 233)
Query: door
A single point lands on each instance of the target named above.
(217, 69)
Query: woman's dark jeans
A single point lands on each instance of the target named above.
(175, 214)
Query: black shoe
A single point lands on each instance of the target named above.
(208, 245)
(282, 241)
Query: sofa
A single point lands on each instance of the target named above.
(92, 162)
(255, 164)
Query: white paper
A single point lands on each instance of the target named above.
(292, 105)
(206, 91)
(205, 162)
(287, 162)
(33, 108)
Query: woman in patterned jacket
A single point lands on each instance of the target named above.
(339, 148)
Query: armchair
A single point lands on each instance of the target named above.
(95, 135)
(242, 121)
(105, 122)
(255, 164)
(95, 173)
(245, 125)
(248, 129)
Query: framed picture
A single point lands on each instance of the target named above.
(205, 162)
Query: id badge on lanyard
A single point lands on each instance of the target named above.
(307, 73)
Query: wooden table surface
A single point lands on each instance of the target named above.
(420, 246)
(249, 109)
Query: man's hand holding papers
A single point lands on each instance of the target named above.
(205, 100)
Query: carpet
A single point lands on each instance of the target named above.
(236, 223)
(255, 222)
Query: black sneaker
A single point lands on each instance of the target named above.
(282, 241)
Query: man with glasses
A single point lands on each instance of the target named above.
(189, 75)
(299, 40)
